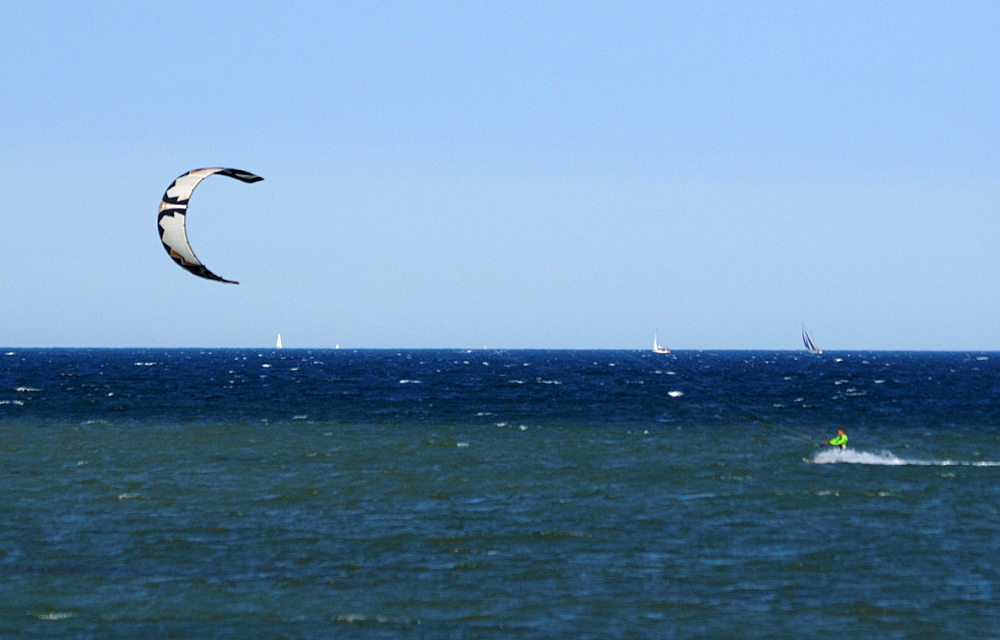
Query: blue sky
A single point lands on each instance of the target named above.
(517, 175)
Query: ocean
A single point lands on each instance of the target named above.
(257, 493)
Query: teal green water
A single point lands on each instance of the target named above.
(477, 501)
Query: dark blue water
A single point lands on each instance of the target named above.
(484, 494)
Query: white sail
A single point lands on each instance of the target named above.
(278, 345)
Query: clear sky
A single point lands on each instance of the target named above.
(510, 174)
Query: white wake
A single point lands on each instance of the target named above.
(887, 458)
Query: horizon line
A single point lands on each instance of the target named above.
(8, 349)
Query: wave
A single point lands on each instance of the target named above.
(887, 458)
(55, 615)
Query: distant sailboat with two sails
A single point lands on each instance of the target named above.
(809, 342)
(656, 346)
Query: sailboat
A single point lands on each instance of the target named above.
(278, 345)
(657, 348)
(808, 341)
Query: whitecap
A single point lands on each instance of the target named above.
(130, 496)
(461, 444)
(144, 364)
(410, 382)
(266, 366)
(26, 389)
(54, 615)
(300, 417)
(675, 394)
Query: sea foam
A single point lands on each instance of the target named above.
(887, 458)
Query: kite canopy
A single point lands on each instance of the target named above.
(173, 211)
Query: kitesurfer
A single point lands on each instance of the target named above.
(840, 440)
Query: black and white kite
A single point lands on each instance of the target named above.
(173, 211)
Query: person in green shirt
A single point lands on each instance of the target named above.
(840, 440)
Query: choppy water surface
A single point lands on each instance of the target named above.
(455, 494)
